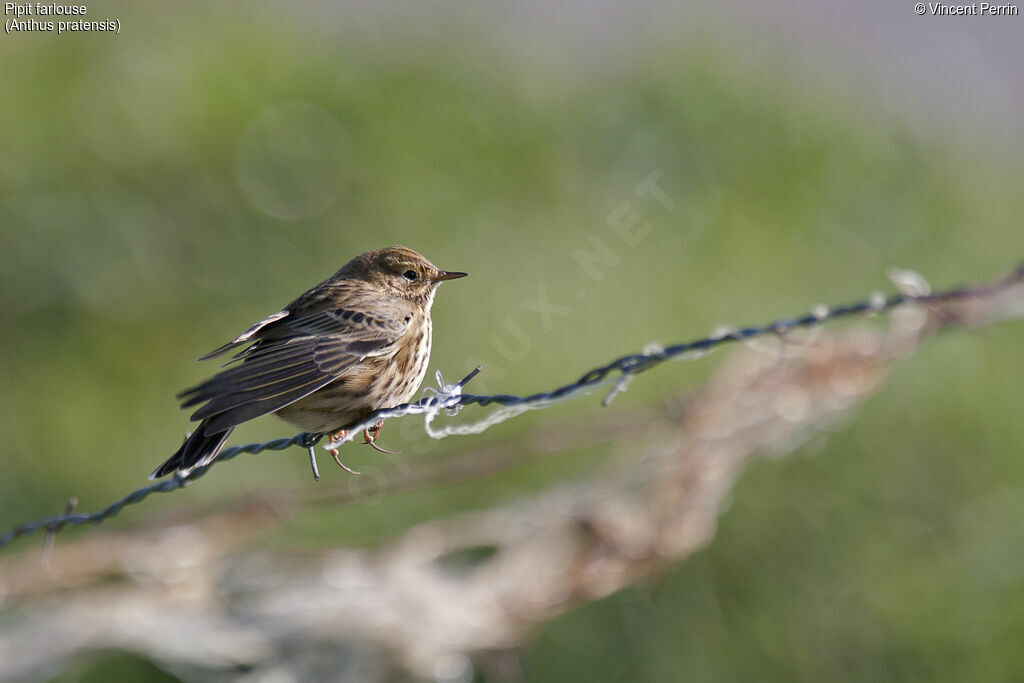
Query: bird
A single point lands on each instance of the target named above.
(357, 342)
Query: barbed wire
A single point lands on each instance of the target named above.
(451, 399)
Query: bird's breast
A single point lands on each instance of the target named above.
(401, 378)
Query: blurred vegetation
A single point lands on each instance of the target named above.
(162, 189)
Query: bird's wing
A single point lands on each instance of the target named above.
(297, 355)
(246, 337)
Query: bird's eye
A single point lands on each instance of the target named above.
(410, 275)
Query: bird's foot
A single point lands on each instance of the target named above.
(337, 436)
(372, 440)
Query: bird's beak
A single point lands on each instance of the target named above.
(447, 275)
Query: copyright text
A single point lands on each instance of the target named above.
(974, 9)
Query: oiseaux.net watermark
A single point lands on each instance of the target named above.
(624, 228)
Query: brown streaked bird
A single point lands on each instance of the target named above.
(356, 342)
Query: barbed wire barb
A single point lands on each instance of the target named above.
(451, 398)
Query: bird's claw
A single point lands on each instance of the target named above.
(372, 441)
(334, 454)
(335, 437)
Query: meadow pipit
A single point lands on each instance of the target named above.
(357, 342)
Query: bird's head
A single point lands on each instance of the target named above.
(400, 272)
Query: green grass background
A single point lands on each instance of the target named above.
(135, 174)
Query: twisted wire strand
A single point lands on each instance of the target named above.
(450, 398)
(175, 482)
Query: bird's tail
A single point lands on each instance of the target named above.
(198, 450)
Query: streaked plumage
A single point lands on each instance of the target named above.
(356, 342)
